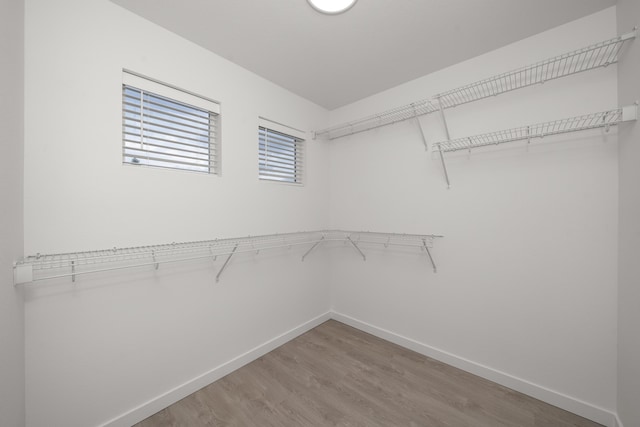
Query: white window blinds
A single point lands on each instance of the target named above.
(165, 127)
(280, 156)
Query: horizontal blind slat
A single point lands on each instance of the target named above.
(193, 119)
(271, 159)
(182, 122)
(276, 148)
(280, 139)
(132, 137)
(283, 147)
(159, 159)
(200, 157)
(293, 177)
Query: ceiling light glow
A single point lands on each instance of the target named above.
(332, 7)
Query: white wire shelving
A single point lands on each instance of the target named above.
(591, 57)
(577, 61)
(39, 267)
(603, 119)
(389, 117)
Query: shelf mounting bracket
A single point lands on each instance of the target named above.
(426, 247)
(312, 248)
(156, 264)
(424, 139)
(444, 166)
(446, 131)
(364, 258)
(226, 262)
(444, 119)
(22, 273)
(630, 112)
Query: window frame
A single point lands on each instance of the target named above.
(282, 132)
(174, 97)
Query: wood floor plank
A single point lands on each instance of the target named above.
(335, 375)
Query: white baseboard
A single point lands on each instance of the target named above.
(180, 392)
(560, 400)
(544, 394)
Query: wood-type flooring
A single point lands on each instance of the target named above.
(335, 375)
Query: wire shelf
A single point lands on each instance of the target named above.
(44, 267)
(595, 56)
(604, 119)
(389, 117)
(588, 58)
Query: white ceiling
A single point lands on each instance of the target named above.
(378, 44)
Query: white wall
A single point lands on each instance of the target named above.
(528, 267)
(629, 227)
(12, 412)
(527, 271)
(112, 342)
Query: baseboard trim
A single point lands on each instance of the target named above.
(571, 404)
(180, 392)
(568, 403)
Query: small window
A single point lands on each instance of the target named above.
(280, 156)
(168, 128)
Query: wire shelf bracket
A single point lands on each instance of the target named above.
(364, 257)
(226, 262)
(312, 248)
(424, 138)
(603, 119)
(426, 248)
(39, 267)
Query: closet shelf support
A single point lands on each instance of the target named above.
(312, 248)
(364, 258)
(444, 166)
(444, 120)
(424, 139)
(426, 248)
(226, 262)
(22, 273)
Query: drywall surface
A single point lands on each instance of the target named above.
(106, 344)
(629, 227)
(527, 270)
(12, 412)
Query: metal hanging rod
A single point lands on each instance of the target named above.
(44, 267)
(588, 58)
(604, 119)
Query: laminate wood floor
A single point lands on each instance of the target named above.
(335, 375)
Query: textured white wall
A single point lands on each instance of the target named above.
(629, 245)
(528, 267)
(12, 412)
(112, 342)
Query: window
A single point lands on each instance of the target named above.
(280, 155)
(166, 127)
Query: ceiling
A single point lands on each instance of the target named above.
(378, 44)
